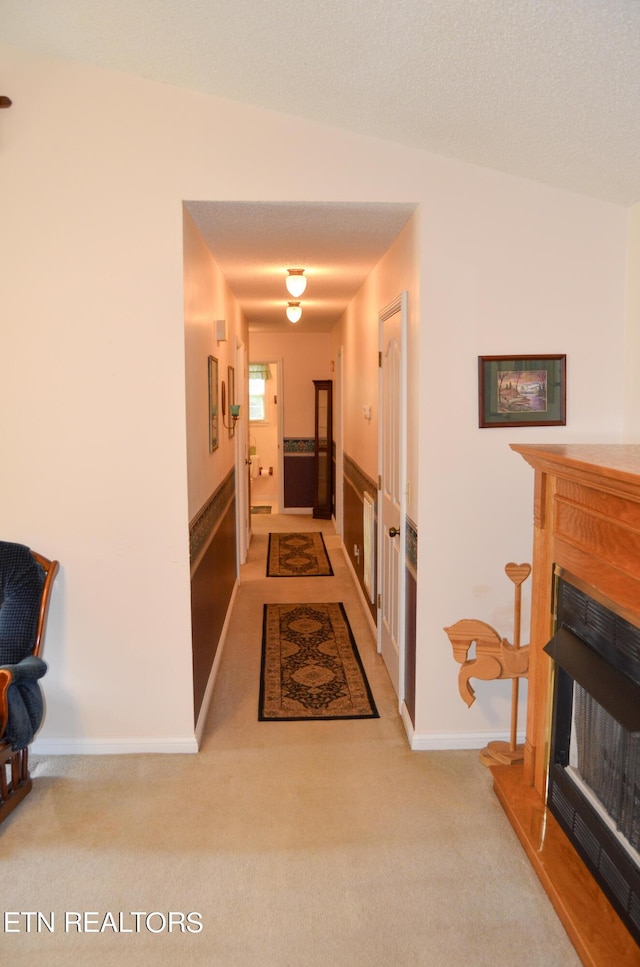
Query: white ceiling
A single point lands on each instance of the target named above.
(544, 89)
(337, 244)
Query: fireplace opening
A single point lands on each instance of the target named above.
(594, 767)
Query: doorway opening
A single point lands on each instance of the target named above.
(265, 443)
(340, 246)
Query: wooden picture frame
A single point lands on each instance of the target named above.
(214, 432)
(522, 390)
(231, 383)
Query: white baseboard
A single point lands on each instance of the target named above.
(206, 701)
(83, 746)
(363, 598)
(408, 724)
(449, 741)
(180, 744)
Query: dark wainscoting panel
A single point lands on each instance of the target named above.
(355, 484)
(299, 467)
(213, 578)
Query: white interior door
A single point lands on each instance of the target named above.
(392, 493)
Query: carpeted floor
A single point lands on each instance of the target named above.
(298, 844)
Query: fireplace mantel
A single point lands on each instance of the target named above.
(586, 519)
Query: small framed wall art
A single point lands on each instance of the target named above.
(231, 379)
(522, 390)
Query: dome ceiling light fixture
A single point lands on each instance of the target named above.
(294, 311)
(296, 282)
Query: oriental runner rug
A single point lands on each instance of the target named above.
(298, 556)
(311, 668)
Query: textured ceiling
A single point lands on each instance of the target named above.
(337, 244)
(547, 89)
(544, 89)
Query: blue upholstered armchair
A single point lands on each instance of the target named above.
(25, 588)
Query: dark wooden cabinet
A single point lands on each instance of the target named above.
(323, 471)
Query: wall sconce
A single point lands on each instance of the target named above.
(294, 311)
(296, 282)
(234, 408)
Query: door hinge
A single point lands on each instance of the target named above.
(380, 359)
(379, 602)
(379, 482)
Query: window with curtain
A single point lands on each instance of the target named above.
(258, 376)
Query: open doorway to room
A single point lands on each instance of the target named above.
(265, 436)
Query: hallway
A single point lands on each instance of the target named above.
(299, 844)
(236, 690)
(359, 851)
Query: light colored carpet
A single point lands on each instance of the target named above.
(301, 844)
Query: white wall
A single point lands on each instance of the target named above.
(632, 347)
(207, 298)
(92, 378)
(305, 356)
(357, 334)
(93, 403)
(509, 267)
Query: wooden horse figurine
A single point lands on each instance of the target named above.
(494, 658)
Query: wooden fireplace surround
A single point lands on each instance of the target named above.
(587, 522)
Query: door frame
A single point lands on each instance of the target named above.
(280, 433)
(399, 304)
(243, 515)
(338, 424)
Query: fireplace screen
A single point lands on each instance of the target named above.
(605, 757)
(594, 768)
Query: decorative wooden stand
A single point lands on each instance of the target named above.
(495, 658)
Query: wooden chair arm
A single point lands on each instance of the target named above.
(5, 681)
(50, 569)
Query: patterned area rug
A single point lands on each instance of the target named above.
(311, 668)
(297, 556)
(261, 509)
